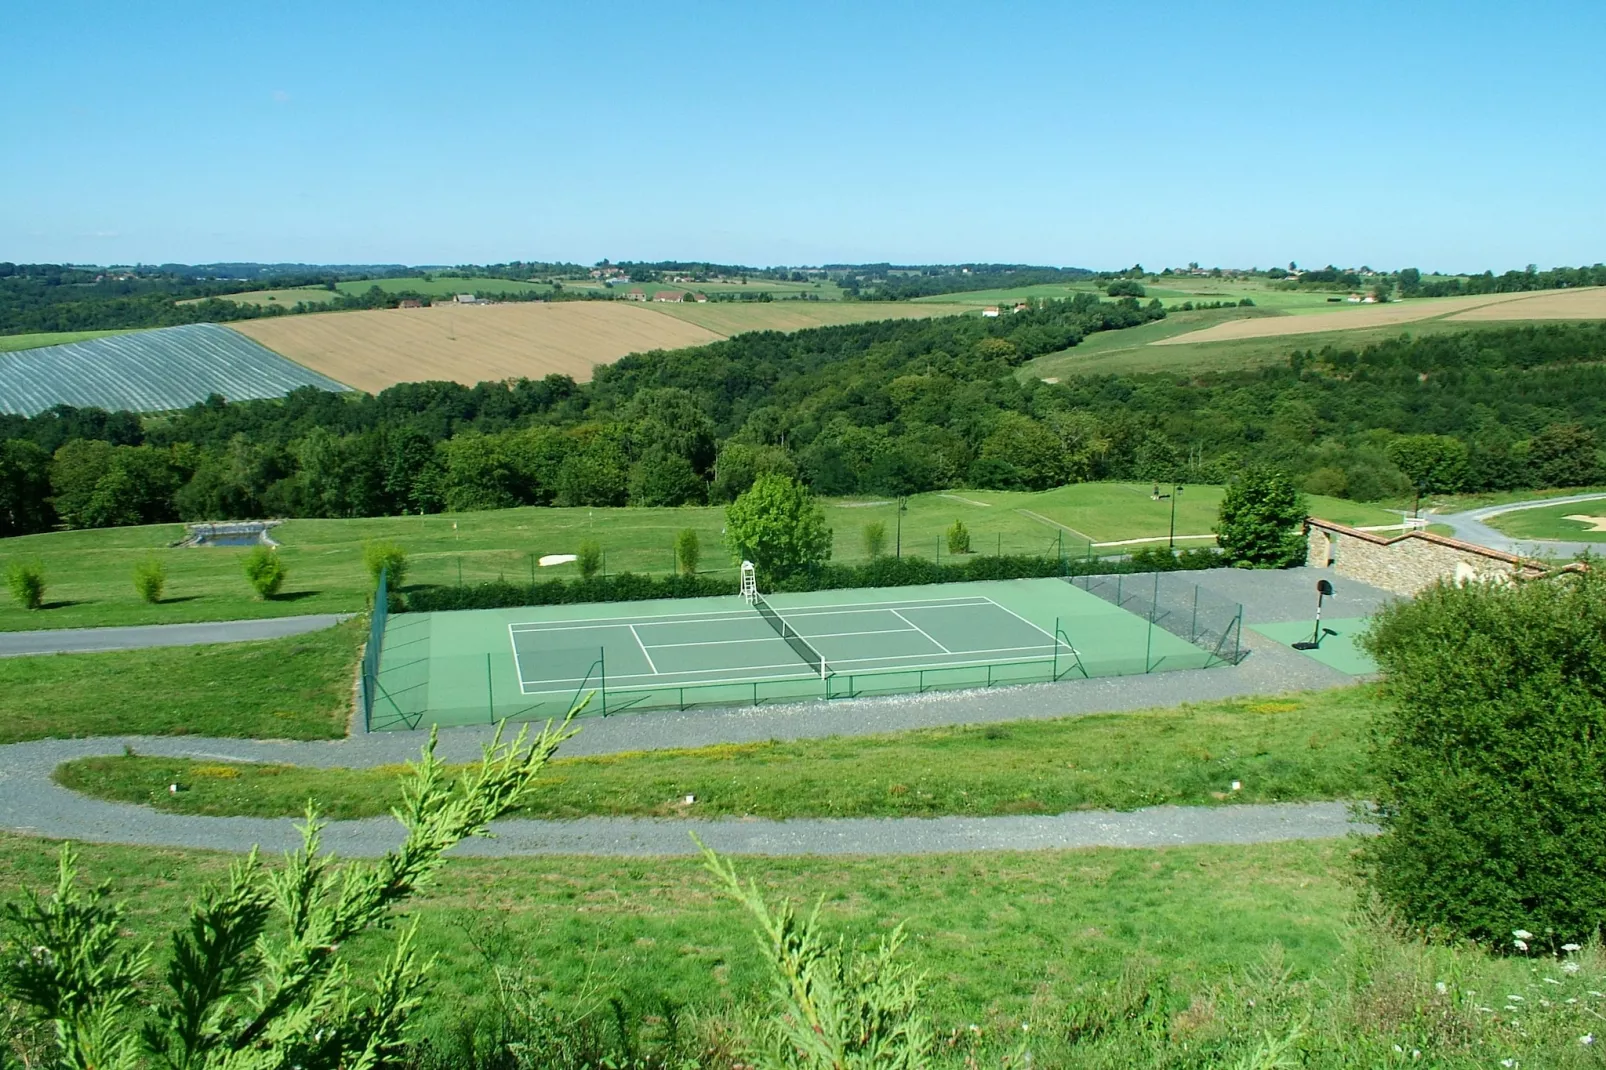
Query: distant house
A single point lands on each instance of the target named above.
(1353, 299)
(1023, 307)
(990, 310)
(669, 295)
(469, 299)
(409, 302)
(635, 295)
(701, 299)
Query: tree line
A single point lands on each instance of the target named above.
(887, 408)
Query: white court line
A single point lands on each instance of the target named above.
(773, 638)
(921, 630)
(656, 618)
(643, 647)
(734, 681)
(909, 603)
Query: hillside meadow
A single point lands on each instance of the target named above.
(90, 573)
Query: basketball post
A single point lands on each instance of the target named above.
(1323, 589)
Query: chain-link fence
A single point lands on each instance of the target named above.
(1171, 602)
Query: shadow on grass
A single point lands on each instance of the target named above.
(65, 604)
(176, 601)
(294, 596)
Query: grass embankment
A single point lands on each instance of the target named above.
(1294, 747)
(1187, 956)
(293, 688)
(90, 573)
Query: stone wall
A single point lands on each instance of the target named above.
(1405, 564)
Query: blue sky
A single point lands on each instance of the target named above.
(1456, 136)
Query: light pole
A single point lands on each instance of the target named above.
(903, 505)
(1176, 492)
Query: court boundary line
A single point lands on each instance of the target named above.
(643, 647)
(725, 614)
(803, 676)
(922, 631)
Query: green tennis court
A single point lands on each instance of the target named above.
(477, 666)
(1338, 649)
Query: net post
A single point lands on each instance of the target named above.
(490, 691)
(1056, 649)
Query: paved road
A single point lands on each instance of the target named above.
(89, 640)
(1469, 526)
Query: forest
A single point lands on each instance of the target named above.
(884, 408)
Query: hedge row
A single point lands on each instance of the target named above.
(882, 572)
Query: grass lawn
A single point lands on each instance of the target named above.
(90, 573)
(1456, 503)
(12, 342)
(1293, 747)
(1551, 522)
(1002, 937)
(293, 688)
(1183, 956)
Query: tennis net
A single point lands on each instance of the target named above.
(813, 658)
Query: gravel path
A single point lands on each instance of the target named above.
(93, 640)
(1469, 526)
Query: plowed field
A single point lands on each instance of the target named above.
(470, 343)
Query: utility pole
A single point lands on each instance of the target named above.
(903, 504)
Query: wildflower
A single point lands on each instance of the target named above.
(1522, 934)
(1551, 981)
(1520, 945)
(1597, 995)
(1440, 987)
(1587, 1039)
(1570, 948)
(1513, 999)
(1508, 1062)
(1570, 967)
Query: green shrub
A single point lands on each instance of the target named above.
(688, 552)
(265, 571)
(27, 582)
(150, 580)
(386, 557)
(590, 558)
(875, 539)
(958, 538)
(1491, 757)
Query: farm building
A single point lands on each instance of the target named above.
(1407, 563)
(669, 295)
(990, 311)
(635, 294)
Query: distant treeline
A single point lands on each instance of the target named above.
(884, 282)
(886, 408)
(1412, 284)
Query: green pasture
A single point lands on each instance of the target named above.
(1551, 522)
(1129, 352)
(12, 342)
(90, 573)
(1304, 746)
(824, 289)
(442, 286)
(288, 298)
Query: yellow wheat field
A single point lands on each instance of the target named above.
(1584, 304)
(371, 350)
(1485, 306)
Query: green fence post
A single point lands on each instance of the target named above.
(490, 690)
(1193, 628)
(602, 661)
(460, 570)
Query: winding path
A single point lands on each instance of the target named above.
(31, 803)
(1469, 526)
